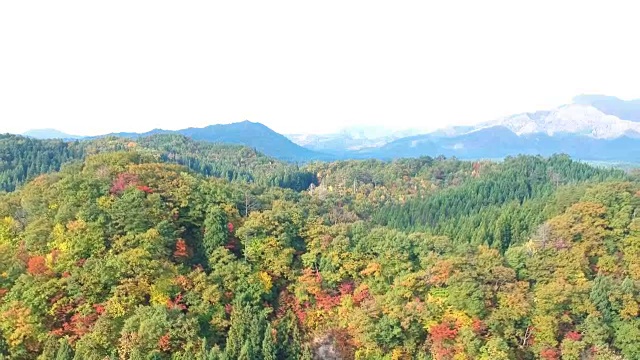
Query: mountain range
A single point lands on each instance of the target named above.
(592, 127)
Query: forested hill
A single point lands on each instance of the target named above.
(252, 134)
(126, 253)
(500, 207)
(24, 158)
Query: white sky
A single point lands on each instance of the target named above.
(89, 67)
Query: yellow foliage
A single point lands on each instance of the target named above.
(18, 324)
(459, 317)
(630, 308)
(159, 291)
(104, 202)
(397, 354)
(58, 236)
(7, 225)
(115, 309)
(267, 283)
(372, 268)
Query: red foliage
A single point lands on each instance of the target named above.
(442, 332)
(176, 303)
(550, 354)
(75, 326)
(573, 335)
(80, 263)
(442, 336)
(66, 274)
(81, 324)
(301, 312)
(327, 302)
(3, 292)
(99, 308)
(146, 189)
(181, 249)
(37, 265)
(478, 326)
(164, 344)
(289, 302)
(228, 308)
(346, 288)
(230, 227)
(122, 182)
(360, 296)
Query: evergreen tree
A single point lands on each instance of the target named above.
(64, 350)
(268, 347)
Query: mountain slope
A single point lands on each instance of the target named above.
(247, 133)
(350, 139)
(611, 105)
(587, 129)
(573, 119)
(49, 134)
(500, 142)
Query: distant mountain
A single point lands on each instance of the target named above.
(251, 134)
(499, 142)
(611, 105)
(351, 139)
(573, 119)
(50, 134)
(593, 127)
(588, 129)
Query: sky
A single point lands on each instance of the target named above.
(89, 67)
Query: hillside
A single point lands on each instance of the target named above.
(247, 133)
(23, 159)
(126, 255)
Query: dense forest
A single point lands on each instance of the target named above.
(166, 248)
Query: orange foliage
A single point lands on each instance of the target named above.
(181, 249)
(478, 326)
(440, 272)
(145, 189)
(37, 265)
(360, 295)
(164, 344)
(176, 303)
(550, 354)
(574, 336)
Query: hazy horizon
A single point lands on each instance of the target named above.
(90, 69)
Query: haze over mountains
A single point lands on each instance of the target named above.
(592, 127)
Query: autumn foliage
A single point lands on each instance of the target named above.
(181, 250)
(122, 182)
(37, 265)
